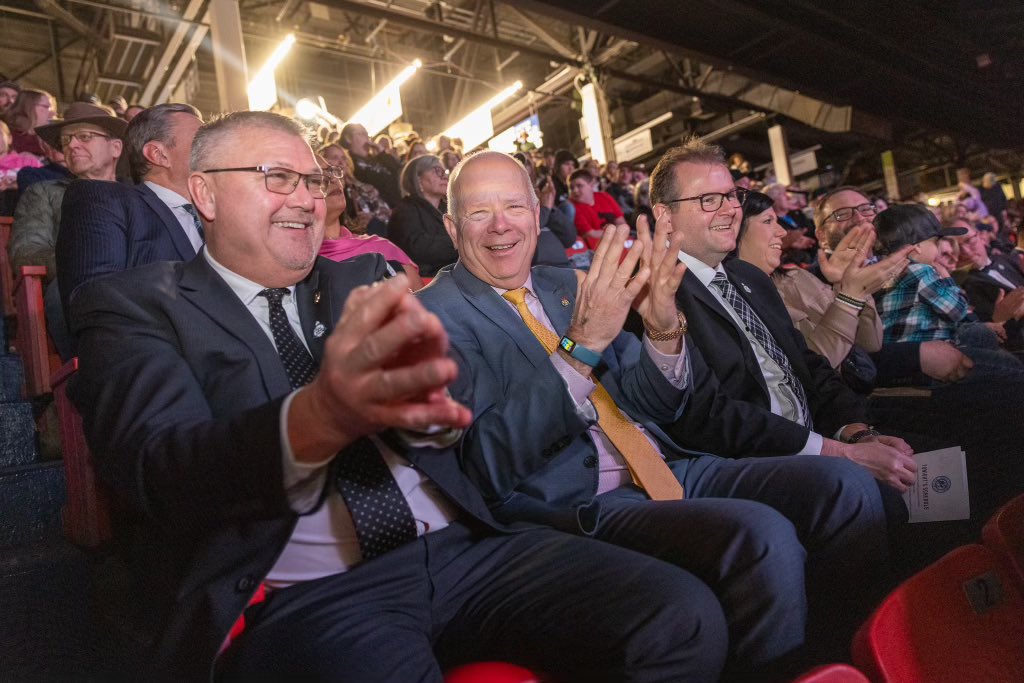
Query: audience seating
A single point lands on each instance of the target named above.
(31, 340)
(490, 672)
(87, 511)
(833, 673)
(1004, 534)
(961, 620)
(6, 272)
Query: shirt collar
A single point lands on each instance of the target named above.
(167, 195)
(701, 270)
(244, 288)
(528, 285)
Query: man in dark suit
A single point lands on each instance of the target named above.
(243, 465)
(107, 227)
(764, 392)
(565, 430)
(994, 284)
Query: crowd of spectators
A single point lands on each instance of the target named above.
(590, 332)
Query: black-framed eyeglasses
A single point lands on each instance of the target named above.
(284, 180)
(83, 136)
(712, 201)
(439, 171)
(846, 213)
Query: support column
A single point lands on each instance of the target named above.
(598, 123)
(229, 55)
(780, 155)
(892, 182)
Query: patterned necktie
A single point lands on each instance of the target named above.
(379, 510)
(299, 365)
(645, 464)
(195, 220)
(755, 327)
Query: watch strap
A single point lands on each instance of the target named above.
(579, 352)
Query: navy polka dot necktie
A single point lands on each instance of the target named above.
(299, 365)
(195, 220)
(765, 339)
(379, 510)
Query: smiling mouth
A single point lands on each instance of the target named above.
(290, 225)
(721, 228)
(775, 245)
(502, 247)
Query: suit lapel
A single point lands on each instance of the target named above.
(313, 297)
(170, 222)
(208, 292)
(480, 295)
(557, 295)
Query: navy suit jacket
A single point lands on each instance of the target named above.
(180, 390)
(729, 413)
(108, 227)
(528, 448)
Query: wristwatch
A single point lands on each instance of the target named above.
(580, 353)
(862, 434)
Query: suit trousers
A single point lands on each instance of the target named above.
(573, 608)
(751, 529)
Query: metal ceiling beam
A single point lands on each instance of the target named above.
(170, 50)
(542, 33)
(67, 18)
(436, 28)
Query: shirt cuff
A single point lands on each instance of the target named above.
(303, 482)
(814, 443)
(674, 367)
(579, 387)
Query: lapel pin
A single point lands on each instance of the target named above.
(316, 296)
(745, 288)
(319, 328)
(565, 301)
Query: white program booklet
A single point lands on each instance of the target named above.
(940, 493)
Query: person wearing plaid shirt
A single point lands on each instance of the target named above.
(922, 306)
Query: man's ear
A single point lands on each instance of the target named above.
(156, 154)
(658, 210)
(453, 234)
(202, 192)
(118, 146)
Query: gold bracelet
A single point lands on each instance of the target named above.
(658, 335)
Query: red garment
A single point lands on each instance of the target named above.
(595, 216)
(26, 142)
(347, 246)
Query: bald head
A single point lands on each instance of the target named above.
(489, 156)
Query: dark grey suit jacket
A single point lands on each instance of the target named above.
(528, 448)
(180, 390)
(108, 227)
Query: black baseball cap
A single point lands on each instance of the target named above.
(903, 224)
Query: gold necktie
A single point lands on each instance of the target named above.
(645, 464)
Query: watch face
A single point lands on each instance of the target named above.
(567, 344)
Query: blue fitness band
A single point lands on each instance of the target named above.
(580, 353)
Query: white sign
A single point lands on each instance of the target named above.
(940, 492)
(629, 147)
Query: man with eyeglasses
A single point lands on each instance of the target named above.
(838, 212)
(91, 139)
(247, 409)
(106, 228)
(763, 391)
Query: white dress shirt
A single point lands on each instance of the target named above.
(782, 400)
(176, 203)
(325, 541)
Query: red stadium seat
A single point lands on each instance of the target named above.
(1004, 534)
(6, 272)
(87, 511)
(833, 673)
(961, 620)
(490, 672)
(32, 342)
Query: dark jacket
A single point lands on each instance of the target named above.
(417, 228)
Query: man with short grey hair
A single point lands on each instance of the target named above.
(106, 228)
